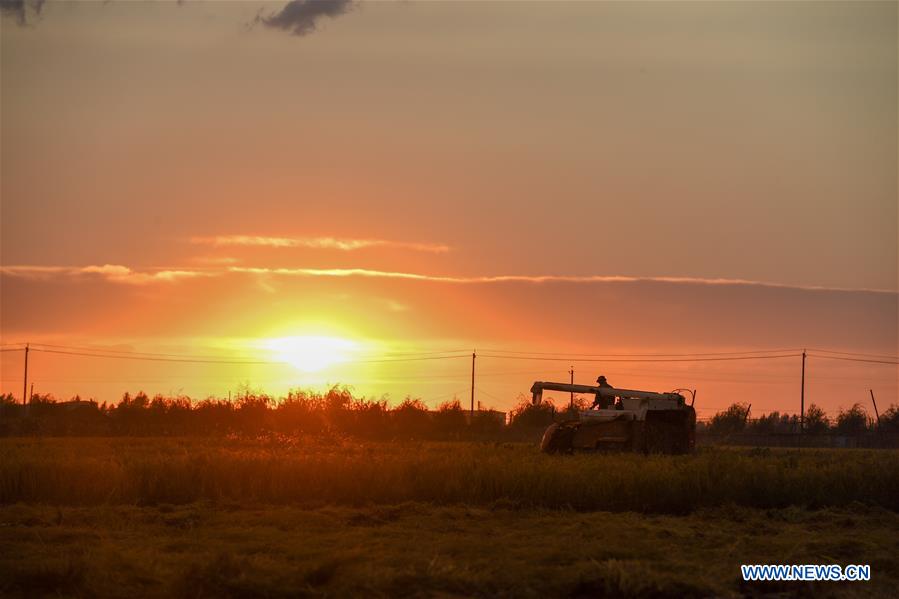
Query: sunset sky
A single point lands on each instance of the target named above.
(325, 186)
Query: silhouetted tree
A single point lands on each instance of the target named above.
(411, 418)
(300, 412)
(253, 412)
(337, 403)
(731, 420)
(528, 415)
(816, 420)
(370, 418)
(889, 420)
(853, 421)
(766, 424)
(449, 421)
(214, 416)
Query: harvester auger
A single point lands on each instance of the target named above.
(627, 420)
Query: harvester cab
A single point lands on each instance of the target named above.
(631, 420)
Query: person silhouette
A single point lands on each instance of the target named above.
(600, 401)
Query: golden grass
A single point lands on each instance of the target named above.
(281, 470)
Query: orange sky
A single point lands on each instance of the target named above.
(412, 177)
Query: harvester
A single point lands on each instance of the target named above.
(626, 420)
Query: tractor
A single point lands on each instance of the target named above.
(626, 420)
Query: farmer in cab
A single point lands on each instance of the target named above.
(600, 401)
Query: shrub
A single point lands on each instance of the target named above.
(889, 420)
(816, 420)
(411, 418)
(853, 421)
(529, 415)
(767, 423)
(299, 412)
(370, 418)
(252, 412)
(485, 423)
(731, 420)
(449, 421)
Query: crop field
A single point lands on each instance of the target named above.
(287, 516)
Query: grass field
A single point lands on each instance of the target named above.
(289, 517)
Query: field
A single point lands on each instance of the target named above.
(284, 516)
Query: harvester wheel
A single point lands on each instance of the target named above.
(668, 432)
(558, 438)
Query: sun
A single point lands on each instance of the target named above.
(310, 353)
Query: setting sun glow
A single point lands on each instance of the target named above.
(310, 353)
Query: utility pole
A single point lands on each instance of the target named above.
(25, 381)
(473, 356)
(871, 391)
(802, 401)
(571, 399)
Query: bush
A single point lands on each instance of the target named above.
(853, 421)
(767, 424)
(299, 412)
(529, 415)
(214, 416)
(889, 420)
(411, 419)
(485, 423)
(370, 418)
(816, 420)
(252, 412)
(449, 421)
(731, 420)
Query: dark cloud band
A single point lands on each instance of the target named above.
(301, 17)
(297, 17)
(23, 11)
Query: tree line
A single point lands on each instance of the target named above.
(338, 411)
(854, 420)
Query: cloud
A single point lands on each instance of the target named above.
(110, 270)
(122, 274)
(332, 243)
(535, 279)
(21, 10)
(298, 17)
(301, 17)
(115, 273)
(215, 260)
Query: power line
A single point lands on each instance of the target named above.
(568, 356)
(570, 359)
(405, 359)
(250, 362)
(490, 395)
(131, 352)
(146, 358)
(152, 359)
(97, 350)
(854, 359)
(424, 353)
(748, 354)
(845, 353)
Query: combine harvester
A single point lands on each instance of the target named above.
(627, 420)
